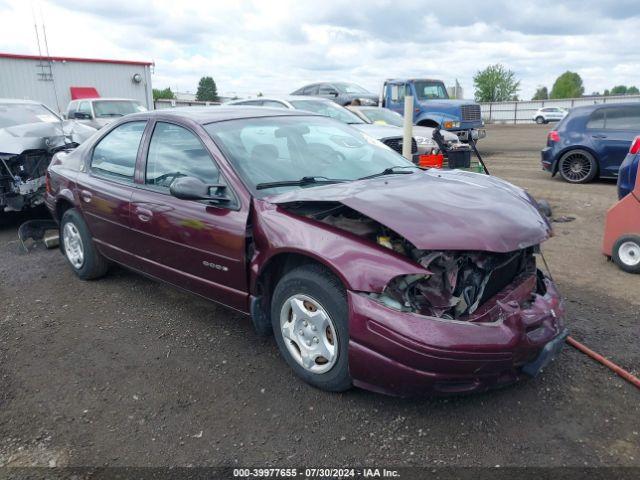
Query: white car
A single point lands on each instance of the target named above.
(549, 114)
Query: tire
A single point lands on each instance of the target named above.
(540, 120)
(78, 247)
(577, 166)
(626, 253)
(322, 319)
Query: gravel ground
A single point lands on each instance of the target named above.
(124, 371)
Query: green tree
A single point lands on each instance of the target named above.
(633, 91)
(163, 93)
(207, 90)
(541, 94)
(495, 84)
(606, 92)
(567, 85)
(619, 90)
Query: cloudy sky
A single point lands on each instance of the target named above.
(276, 46)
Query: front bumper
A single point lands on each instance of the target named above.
(407, 354)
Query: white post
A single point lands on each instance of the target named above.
(408, 128)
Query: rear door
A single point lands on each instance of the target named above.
(105, 189)
(192, 244)
(617, 126)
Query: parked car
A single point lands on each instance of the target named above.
(368, 270)
(343, 93)
(591, 141)
(98, 112)
(30, 133)
(621, 242)
(549, 114)
(629, 170)
(423, 135)
(389, 135)
(432, 106)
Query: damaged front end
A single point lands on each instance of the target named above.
(22, 179)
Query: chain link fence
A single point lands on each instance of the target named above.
(524, 112)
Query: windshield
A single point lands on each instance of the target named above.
(12, 114)
(328, 109)
(384, 116)
(116, 108)
(429, 90)
(350, 88)
(274, 149)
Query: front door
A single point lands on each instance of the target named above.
(612, 138)
(105, 189)
(192, 244)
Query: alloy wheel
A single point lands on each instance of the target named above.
(575, 167)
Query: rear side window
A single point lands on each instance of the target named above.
(115, 155)
(176, 152)
(310, 90)
(623, 118)
(596, 120)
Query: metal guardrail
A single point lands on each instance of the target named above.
(522, 112)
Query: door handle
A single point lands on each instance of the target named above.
(85, 196)
(598, 136)
(144, 214)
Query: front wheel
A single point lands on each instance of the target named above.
(577, 166)
(626, 253)
(540, 120)
(309, 316)
(78, 247)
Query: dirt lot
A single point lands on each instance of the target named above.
(124, 371)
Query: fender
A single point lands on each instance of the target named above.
(556, 160)
(360, 264)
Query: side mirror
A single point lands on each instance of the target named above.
(190, 188)
(81, 116)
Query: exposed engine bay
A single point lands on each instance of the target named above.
(458, 282)
(22, 179)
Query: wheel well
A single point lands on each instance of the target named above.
(428, 123)
(62, 206)
(278, 266)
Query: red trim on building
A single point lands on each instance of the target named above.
(83, 92)
(72, 59)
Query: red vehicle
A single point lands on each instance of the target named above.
(368, 270)
(622, 225)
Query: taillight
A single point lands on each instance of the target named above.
(635, 146)
(554, 136)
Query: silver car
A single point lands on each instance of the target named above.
(423, 135)
(387, 134)
(549, 114)
(98, 112)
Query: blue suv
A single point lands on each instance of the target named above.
(591, 141)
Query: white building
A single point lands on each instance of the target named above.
(55, 81)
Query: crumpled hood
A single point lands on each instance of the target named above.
(42, 136)
(440, 210)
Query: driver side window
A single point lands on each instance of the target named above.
(177, 152)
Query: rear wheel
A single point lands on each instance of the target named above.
(626, 253)
(577, 166)
(78, 247)
(540, 120)
(309, 316)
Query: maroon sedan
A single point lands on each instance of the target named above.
(368, 270)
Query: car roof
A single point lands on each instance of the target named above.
(286, 98)
(18, 101)
(586, 108)
(205, 115)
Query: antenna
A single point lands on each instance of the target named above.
(46, 46)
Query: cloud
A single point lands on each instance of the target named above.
(275, 47)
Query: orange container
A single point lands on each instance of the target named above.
(431, 161)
